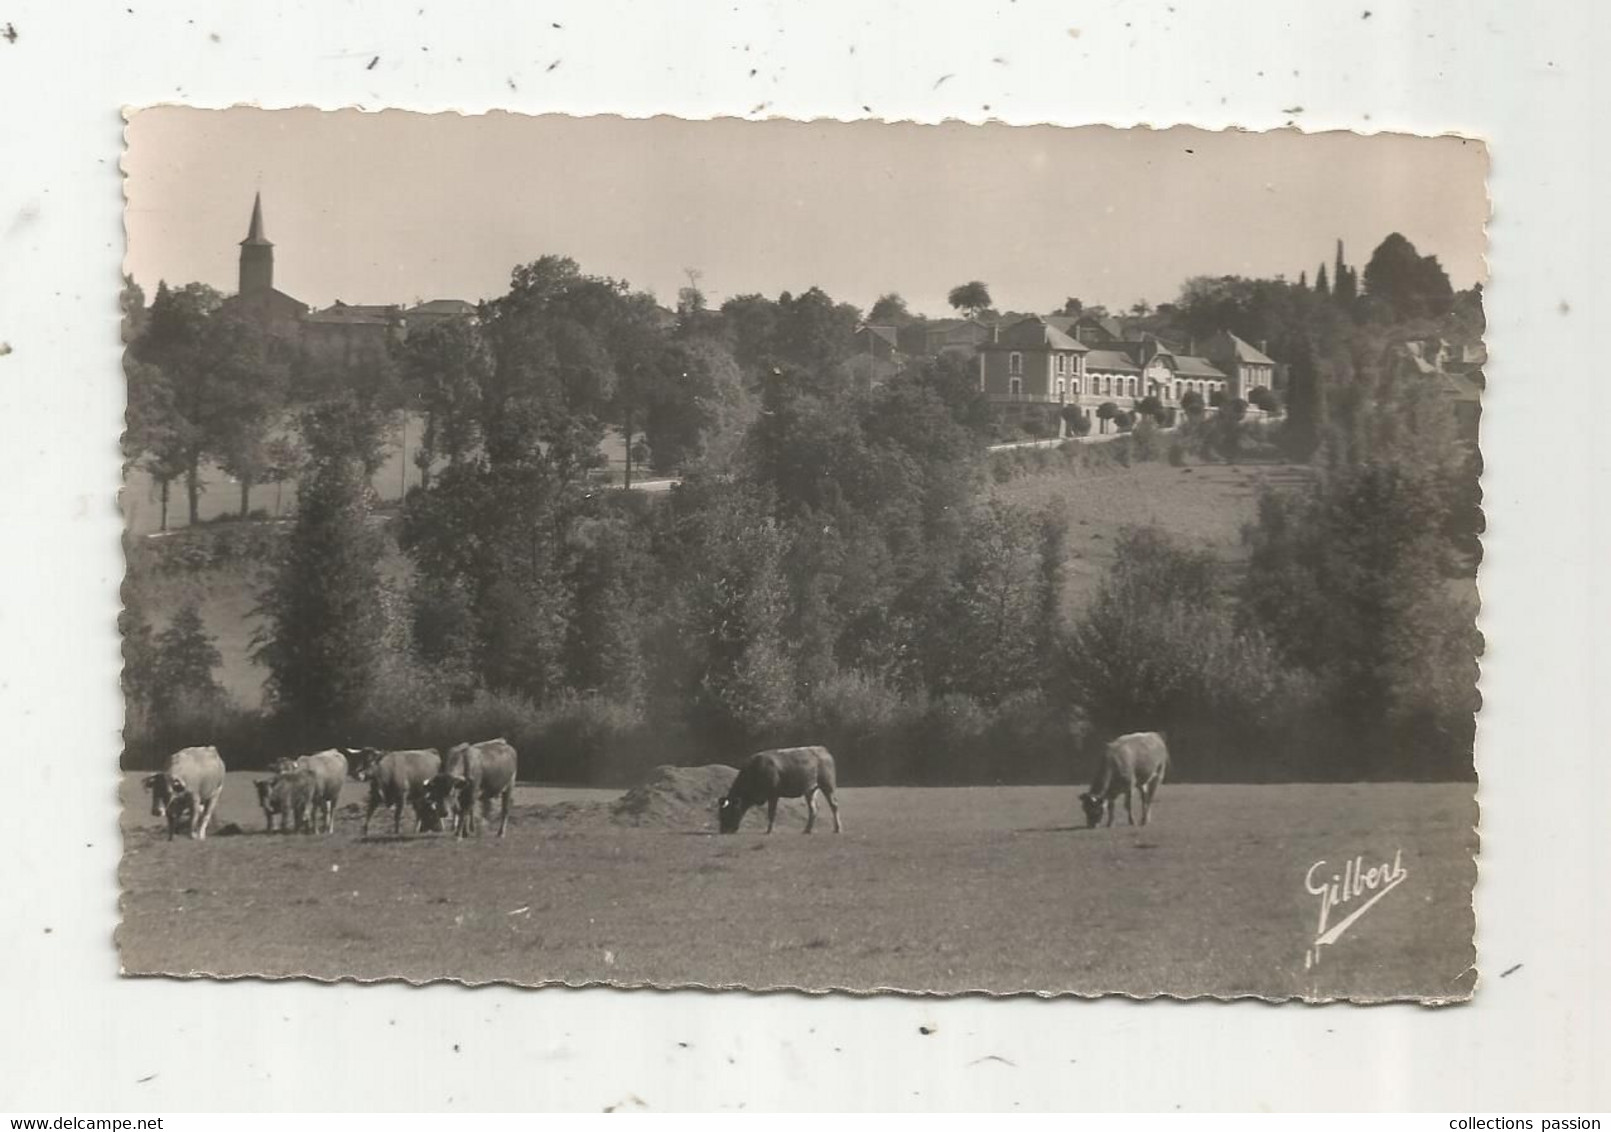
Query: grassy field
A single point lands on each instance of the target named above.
(142, 507)
(949, 890)
(1203, 505)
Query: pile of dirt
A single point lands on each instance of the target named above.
(675, 796)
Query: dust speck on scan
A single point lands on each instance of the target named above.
(916, 598)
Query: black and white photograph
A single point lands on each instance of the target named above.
(811, 556)
(831, 556)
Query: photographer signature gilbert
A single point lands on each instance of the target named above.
(1342, 889)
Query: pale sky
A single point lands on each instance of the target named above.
(395, 207)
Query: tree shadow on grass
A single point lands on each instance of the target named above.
(1055, 829)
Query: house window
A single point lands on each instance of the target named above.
(1015, 362)
(1062, 389)
(1062, 363)
(1074, 387)
(1132, 387)
(1015, 385)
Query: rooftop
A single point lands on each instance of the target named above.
(443, 307)
(1034, 334)
(1186, 365)
(1114, 360)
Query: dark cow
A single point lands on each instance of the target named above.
(396, 779)
(187, 790)
(270, 804)
(1130, 763)
(790, 772)
(181, 809)
(471, 773)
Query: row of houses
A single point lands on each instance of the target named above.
(1082, 360)
(1455, 371)
(1052, 360)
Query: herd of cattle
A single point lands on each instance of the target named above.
(444, 792)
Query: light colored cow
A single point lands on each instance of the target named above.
(396, 779)
(187, 790)
(330, 770)
(472, 773)
(789, 772)
(1134, 762)
(291, 796)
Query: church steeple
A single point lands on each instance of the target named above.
(257, 255)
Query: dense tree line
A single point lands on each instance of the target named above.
(829, 569)
(1347, 648)
(824, 558)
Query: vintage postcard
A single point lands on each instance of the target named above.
(538, 526)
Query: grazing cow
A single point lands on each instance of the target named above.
(471, 773)
(270, 804)
(790, 772)
(1131, 762)
(396, 779)
(187, 790)
(330, 770)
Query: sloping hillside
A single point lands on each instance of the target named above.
(1203, 504)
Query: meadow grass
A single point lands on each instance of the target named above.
(942, 889)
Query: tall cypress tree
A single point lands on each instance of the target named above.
(1344, 282)
(1322, 285)
(322, 615)
(1306, 402)
(185, 659)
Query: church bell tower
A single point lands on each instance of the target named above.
(257, 256)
